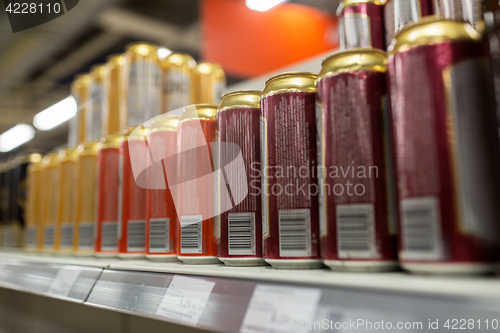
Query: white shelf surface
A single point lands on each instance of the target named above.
(139, 287)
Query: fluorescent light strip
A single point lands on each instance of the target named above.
(56, 114)
(262, 5)
(16, 136)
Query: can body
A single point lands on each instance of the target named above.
(83, 233)
(197, 232)
(209, 83)
(461, 10)
(17, 200)
(50, 200)
(131, 202)
(289, 185)
(67, 169)
(361, 25)
(161, 216)
(357, 201)
(32, 206)
(177, 81)
(240, 227)
(400, 13)
(108, 161)
(446, 150)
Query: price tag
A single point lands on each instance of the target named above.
(64, 281)
(185, 299)
(278, 309)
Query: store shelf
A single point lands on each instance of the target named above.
(234, 302)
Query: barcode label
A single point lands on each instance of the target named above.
(356, 231)
(241, 233)
(66, 236)
(421, 229)
(49, 237)
(31, 236)
(159, 235)
(86, 236)
(136, 235)
(191, 234)
(295, 233)
(109, 236)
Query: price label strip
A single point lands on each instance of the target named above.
(63, 281)
(278, 309)
(185, 299)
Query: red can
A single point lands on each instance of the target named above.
(401, 13)
(108, 161)
(238, 130)
(290, 212)
(446, 146)
(357, 204)
(161, 216)
(361, 24)
(132, 197)
(194, 193)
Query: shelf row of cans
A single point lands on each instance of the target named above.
(381, 160)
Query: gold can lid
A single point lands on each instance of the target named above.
(179, 59)
(432, 30)
(240, 99)
(116, 59)
(50, 160)
(354, 60)
(349, 3)
(67, 153)
(290, 82)
(143, 49)
(209, 68)
(199, 111)
(110, 141)
(98, 72)
(81, 80)
(166, 122)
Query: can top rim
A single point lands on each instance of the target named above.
(349, 3)
(281, 75)
(203, 111)
(352, 60)
(81, 79)
(432, 30)
(98, 70)
(115, 57)
(242, 92)
(142, 48)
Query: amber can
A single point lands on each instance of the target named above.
(361, 24)
(355, 165)
(209, 83)
(290, 212)
(238, 135)
(177, 81)
(33, 199)
(161, 215)
(446, 147)
(50, 201)
(195, 197)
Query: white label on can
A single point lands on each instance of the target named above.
(398, 14)
(144, 92)
(185, 299)
(276, 309)
(94, 112)
(355, 31)
(356, 231)
(263, 159)
(177, 90)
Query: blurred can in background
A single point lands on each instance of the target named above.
(239, 228)
(49, 201)
(161, 216)
(461, 10)
(143, 82)
(357, 205)
(290, 212)
(33, 201)
(80, 90)
(197, 232)
(400, 13)
(67, 170)
(108, 159)
(177, 81)
(3, 201)
(446, 145)
(209, 83)
(361, 24)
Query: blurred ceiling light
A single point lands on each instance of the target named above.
(262, 5)
(163, 52)
(16, 136)
(56, 114)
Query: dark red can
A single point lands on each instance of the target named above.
(361, 24)
(357, 201)
(446, 145)
(108, 160)
(161, 216)
(290, 213)
(132, 197)
(240, 230)
(401, 13)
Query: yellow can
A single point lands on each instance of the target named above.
(33, 198)
(49, 194)
(94, 112)
(209, 83)
(177, 70)
(114, 85)
(66, 206)
(80, 90)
